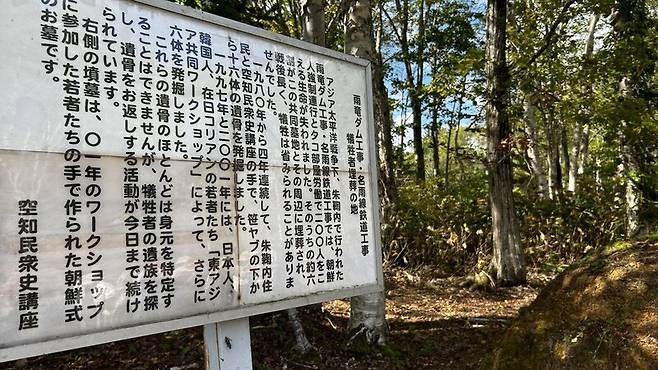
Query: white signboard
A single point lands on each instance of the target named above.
(164, 168)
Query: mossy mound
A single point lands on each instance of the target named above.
(601, 313)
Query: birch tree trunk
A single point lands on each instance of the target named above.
(630, 25)
(313, 31)
(507, 265)
(313, 21)
(629, 170)
(536, 165)
(553, 151)
(584, 150)
(581, 131)
(367, 312)
(302, 343)
(564, 144)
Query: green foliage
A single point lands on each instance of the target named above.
(239, 10)
(555, 233)
(445, 226)
(449, 226)
(446, 221)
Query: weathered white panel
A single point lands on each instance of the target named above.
(163, 168)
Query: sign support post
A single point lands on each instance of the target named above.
(228, 345)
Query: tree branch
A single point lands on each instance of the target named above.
(340, 13)
(548, 38)
(390, 20)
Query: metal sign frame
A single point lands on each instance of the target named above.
(67, 343)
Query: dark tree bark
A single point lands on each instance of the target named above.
(434, 132)
(507, 265)
(383, 120)
(414, 82)
(458, 121)
(416, 105)
(302, 344)
(446, 175)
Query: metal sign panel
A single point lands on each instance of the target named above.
(164, 168)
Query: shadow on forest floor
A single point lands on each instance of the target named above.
(434, 324)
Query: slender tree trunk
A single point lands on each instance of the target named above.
(451, 124)
(631, 25)
(532, 152)
(313, 21)
(581, 131)
(629, 170)
(584, 150)
(507, 265)
(367, 312)
(303, 345)
(313, 31)
(418, 137)
(296, 13)
(446, 174)
(417, 102)
(564, 141)
(403, 132)
(414, 82)
(458, 121)
(383, 122)
(553, 141)
(434, 132)
(456, 149)
(576, 146)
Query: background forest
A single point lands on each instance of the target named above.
(513, 135)
(571, 115)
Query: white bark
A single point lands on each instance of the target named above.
(552, 139)
(313, 31)
(368, 318)
(584, 150)
(629, 170)
(367, 312)
(564, 143)
(303, 345)
(581, 131)
(532, 152)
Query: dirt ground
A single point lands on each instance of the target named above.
(434, 324)
(601, 314)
